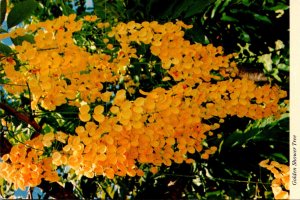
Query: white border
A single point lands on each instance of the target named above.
(295, 99)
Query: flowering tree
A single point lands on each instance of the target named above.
(90, 104)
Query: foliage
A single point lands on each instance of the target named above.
(112, 109)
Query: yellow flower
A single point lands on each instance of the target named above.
(60, 136)
(85, 117)
(90, 18)
(205, 156)
(47, 139)
(84, 108)
(115, 109)
(282, 178)
(56, 158)
(154, 170)
(109, 173)
(106, 96)
(84, 113)
(98, 116)
(5, 157)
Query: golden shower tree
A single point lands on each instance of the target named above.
(133, 99)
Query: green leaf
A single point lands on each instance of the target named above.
(275, 75)
(214, 194)
(268, 195)
(262, 18)
(279, 157)
(180, 9)
(19, 40)
(47, 129)
(169, 12)
(2, 186)
(20, 12)
(246, 2)
(263, 130)
(4, 49)
(280, 6)
(2, 10)
(227, 18)
(196, 8)
(245, 36)
(224, 6)
(51, 121)
(213, 12)
(276, 59)
(283, 67)
(108, 10)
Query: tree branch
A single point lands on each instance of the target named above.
(23, 117)
(57, 191)
(5, 145)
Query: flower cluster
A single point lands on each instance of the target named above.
(54, 68)
(181, 59)
(26, 165)
(157, 127)
(282, 178)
